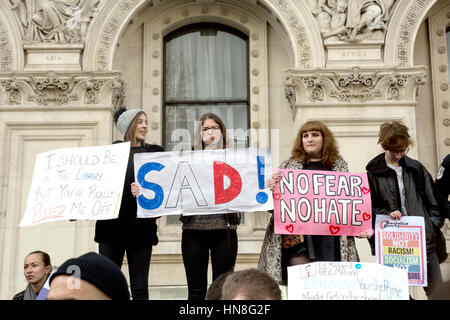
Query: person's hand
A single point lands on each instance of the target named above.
(396, 215)
(364, 235)
(274, 180)
(134, 189)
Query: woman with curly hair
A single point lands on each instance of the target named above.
(314, 149)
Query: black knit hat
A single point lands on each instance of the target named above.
(100, 272)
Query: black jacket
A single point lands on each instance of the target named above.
(127, 230)
(420, 200)
(442, 187)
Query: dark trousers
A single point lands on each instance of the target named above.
(138, 266)
(195, 248)
(434, 274)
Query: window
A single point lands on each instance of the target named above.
(205, 70)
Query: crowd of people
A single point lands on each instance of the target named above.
(400, 186)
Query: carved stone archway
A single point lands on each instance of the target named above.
(408, 16)
(11, 53)
(302, 31)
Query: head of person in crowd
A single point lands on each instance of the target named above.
(250, 284)
(394, 138)
(315, 141)
(132, 125)
(36, 268)
(211, 133)
(88, 277)
(215, 289)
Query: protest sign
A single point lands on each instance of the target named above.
(402, 244)
(322, 203)
(346, 281)
(77, 183)
(203, 182)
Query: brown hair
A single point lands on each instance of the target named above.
(251, 284)
(198, 141)
(330, 152)
(130, 135)
(45, 257)
(394, 136)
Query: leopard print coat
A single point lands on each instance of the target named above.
(270, 257)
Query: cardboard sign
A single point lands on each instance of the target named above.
(402, 244)
(203, 182)
(77, 183)
(322, 203)
(346, 281)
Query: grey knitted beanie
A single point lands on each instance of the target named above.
(124, 118)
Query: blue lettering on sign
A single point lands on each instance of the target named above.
(150, 204)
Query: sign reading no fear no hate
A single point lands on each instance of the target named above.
(203, 182)
(322, 203)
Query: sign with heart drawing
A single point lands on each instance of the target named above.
(312, 202)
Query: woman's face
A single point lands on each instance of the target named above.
(34, 269)
(141, 130)
(211, 132)
(312, 143)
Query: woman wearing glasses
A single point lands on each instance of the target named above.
(204, 233)
(401, 186)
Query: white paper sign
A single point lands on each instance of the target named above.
(346, 281)
(402, 244)
(203, 182)
(77, 183)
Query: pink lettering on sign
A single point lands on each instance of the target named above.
(322, 203)
(41, 212)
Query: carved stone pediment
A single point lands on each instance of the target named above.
(58, 89)
(306, 87)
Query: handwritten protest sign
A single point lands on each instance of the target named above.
(77, 183)
(322, 203)
(346, 281)
(402, 244)
(203, 182)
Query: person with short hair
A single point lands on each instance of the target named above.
(401, 186)
(36, 268)
(442, 187)
(215, 289)
(251, 284)
(88, 277)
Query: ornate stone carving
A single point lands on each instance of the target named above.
(60, 89)
(407, 26)
(120, 11)
(5, 49)
(57, 21)
(11, 87)
(352, 21)
(332, 86)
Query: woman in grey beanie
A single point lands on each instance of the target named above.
(127, 233)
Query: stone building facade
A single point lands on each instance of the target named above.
(66, 65)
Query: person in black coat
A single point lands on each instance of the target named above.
(442, 187)
(401, 186)
(127, 233)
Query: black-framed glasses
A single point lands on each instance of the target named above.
(214, 128)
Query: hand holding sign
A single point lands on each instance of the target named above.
(322, 203)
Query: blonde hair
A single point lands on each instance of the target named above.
(130, 135)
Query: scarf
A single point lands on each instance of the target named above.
(29, 293)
